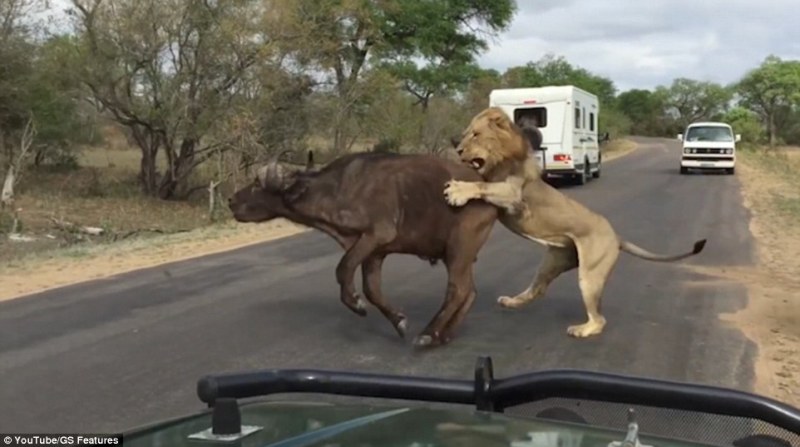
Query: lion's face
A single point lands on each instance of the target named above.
(490, 140)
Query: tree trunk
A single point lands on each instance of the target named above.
(149, 143)
(771, 129)
(147, 171)
(173, 184)
(7, 195)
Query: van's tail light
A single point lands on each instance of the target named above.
(562, 157)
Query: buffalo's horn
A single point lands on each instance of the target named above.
(262, 174)
(278, 155)
(272, 172)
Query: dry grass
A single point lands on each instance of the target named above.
(617, 148)
(771, 190)
(104, 193)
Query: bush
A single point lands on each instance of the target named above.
(747, 124)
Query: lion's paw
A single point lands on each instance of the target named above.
(508, 302)
(458, 193)
(585, 330)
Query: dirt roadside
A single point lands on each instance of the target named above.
(771, 191)
(84, 263)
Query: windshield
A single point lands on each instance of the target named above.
(709, 133)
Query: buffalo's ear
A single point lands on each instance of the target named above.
(310, 160)
(455, 140)
(295, 190)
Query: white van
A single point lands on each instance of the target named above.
(567, 117)
(708, 145)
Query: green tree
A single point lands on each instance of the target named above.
(351, 35)
(687, 100)
(772, 91)
(476, 96)
(444, 40)
(55, 98)
(644, 110)
(169, 72)
(16, 54)
(556, 70)
(745, 122)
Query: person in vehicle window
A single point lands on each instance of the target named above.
(530, 127)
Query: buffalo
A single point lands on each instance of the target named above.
(373, 204)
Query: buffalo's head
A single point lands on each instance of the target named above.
(263, 199)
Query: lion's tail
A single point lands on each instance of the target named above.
(640, 252)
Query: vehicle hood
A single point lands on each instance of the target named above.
(709, 144)
(294, 424)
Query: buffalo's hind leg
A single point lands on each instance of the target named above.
(371, 273)
(459, 291)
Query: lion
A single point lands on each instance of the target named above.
(575, 236)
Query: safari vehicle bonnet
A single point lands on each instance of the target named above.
(708, 145)
(567, 408)
(567, 117)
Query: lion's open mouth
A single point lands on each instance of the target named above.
(477, 163)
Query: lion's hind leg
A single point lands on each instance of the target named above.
(597, 260)
(557, 260)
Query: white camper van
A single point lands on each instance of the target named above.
(708, 145)
(567, 118)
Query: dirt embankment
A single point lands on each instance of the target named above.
(771, 191)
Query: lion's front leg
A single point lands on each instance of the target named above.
(458, 193)
(506, 195)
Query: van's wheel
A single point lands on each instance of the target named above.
(585, 174)
(684, 170)
(596, 174)
(730, 171)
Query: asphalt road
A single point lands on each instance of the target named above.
(115, 353)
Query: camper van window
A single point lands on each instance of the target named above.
(577, 118)
(591, 121)
(583, 118)
(536, 116)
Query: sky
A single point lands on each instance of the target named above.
(643, 44)
(651, 42)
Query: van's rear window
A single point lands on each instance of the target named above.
(534, 115)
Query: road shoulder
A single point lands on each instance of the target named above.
(85, 263)
(771, 192)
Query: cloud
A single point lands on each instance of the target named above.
(645, 44)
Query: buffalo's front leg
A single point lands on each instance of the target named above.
(371, 273)
(346, 270)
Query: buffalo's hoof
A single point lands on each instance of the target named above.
(423, 341)
(356, 304)
(401, 326)
(430, 341)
